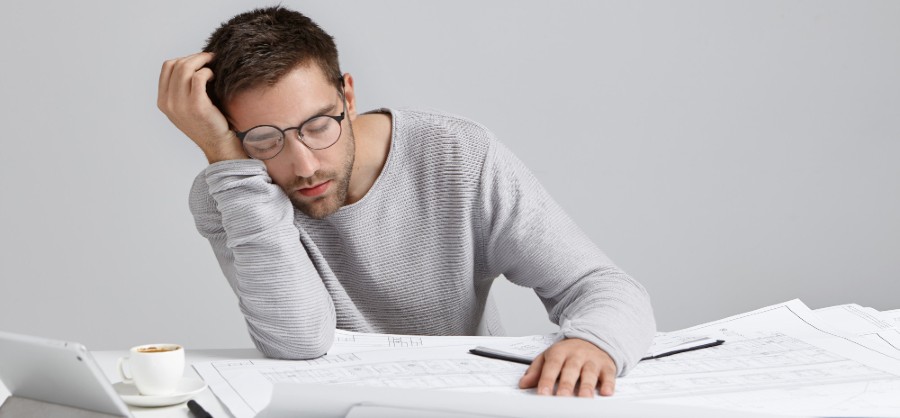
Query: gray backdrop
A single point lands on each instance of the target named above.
(729, 155)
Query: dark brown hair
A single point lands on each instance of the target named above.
(259, 47)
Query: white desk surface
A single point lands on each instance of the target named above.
(107, 361)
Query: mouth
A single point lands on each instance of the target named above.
(315, 190)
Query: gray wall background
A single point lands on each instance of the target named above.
(727, 154)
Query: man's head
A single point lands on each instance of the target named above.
(259, 47)
(276, 67)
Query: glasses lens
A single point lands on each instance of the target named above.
(263, 142)
(320, 132)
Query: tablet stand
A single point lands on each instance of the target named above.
(16, 407)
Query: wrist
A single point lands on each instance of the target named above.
(230, 149)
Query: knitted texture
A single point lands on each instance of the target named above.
(451, 210)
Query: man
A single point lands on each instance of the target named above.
(393, 221)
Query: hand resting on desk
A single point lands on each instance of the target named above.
(570, 361)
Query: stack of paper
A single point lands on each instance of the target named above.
(323, 401)
(881, 329)
(782, 359)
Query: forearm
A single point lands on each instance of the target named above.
(586, 294)
(533, 242)
(612, 311)
(249, 223)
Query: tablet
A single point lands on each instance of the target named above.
(57, 372)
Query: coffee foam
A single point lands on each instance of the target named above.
(158, 349)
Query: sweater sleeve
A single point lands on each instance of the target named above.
(249, 222)
(530, 240)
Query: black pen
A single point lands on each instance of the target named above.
(197, 410)
(697, 347)
(516, 358)
(499, 355)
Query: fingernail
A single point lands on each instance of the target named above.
(544, 391)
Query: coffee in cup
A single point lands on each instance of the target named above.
(158, 348)
(155, 369)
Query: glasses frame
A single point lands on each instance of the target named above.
(339, 119)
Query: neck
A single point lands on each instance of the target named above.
(372, 133)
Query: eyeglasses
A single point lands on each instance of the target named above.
(264, 142)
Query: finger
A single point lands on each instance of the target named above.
(165, 73)
(570, 372)
(198, 83)
(549, 373)
(169, 80)
(530, 379)
(607, 381)
(590, 373)
(180, 82)
(185, 68)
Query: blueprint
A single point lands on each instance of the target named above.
(893, 314)
(318, 401)
(880, 328)
(245, 386)
(783, 358)
(352, 342)
(780, 359)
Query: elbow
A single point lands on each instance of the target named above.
(294, 340)
(300, 347)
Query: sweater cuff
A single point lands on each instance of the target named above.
(238, 167)
(224, 175)
(569, 330)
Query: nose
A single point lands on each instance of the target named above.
(304, 162)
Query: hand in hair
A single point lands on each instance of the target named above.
(182, 97)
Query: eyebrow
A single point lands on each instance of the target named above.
(322, 111)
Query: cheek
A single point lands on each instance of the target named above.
(280, 173)
(333, 161)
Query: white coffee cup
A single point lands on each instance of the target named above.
(155, 369)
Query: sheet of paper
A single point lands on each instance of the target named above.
(378, 411)
(876, 327)
(857, 319)
(876, 398)
(889, 337)
(778, 359)
(318, 401)
(893, 313)
(352, 342)
(245, 386)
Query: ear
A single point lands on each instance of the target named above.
(350, 96)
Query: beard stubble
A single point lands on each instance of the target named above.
(323, 206)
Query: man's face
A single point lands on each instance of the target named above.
(316, 181)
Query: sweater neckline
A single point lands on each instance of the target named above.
(387, 165)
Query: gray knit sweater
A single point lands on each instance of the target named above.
(451, 210)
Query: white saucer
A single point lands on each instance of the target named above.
(187, 388)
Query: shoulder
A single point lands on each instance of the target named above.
(427, 123)
(441, 133)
